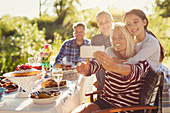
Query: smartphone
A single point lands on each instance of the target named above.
(87, 51)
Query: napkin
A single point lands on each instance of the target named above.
(71, 99)
(70, 75)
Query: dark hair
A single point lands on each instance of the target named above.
(79, 24)
(142, 15)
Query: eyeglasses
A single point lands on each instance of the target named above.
(107, 22)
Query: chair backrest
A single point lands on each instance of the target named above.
(151, 93)
(157, 97)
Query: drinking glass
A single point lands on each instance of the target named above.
(57, 74)
(52, 60)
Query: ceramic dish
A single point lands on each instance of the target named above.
(8, 85)
(45, 100)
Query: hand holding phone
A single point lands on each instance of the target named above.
(87, 51)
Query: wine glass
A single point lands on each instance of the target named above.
(57, 74)
(52, 60)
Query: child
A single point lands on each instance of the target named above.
(104, 21)
(147, 45)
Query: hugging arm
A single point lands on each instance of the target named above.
(147, 51)
(129, 70)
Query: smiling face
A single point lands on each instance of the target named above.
(135, 24)
(79, 33)
(119, 41)
(104, 23)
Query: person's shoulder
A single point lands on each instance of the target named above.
(109, 48)
(96, 36)
(87, 40)
(151, 39)
(69, 40)
(109, 51)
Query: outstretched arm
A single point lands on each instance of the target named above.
(89, 67)
(83, 67)
(110, 64)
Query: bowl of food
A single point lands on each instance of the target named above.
(44, 97)
(51, 83)
(8, 85)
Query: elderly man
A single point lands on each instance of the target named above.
(71, 47)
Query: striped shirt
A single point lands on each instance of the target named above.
(71, 51)
(122, 90)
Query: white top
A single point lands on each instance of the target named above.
(109, 51)
(148, 49)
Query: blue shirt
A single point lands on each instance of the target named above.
(71, 51)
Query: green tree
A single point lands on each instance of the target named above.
(42, 3)
(164, 6)
(160, 27)
(65, 8)
(19, 40)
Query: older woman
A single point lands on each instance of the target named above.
(123, 82)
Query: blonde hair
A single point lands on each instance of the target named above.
(103, 12)
(130, 50)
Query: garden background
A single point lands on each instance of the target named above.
(22, 37)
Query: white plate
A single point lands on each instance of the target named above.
(45, 100)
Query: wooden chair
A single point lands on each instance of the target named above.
(150, 96)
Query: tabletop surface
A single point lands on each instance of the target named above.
(71, 97)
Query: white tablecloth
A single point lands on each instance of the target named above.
(86, 85)
(69, 100)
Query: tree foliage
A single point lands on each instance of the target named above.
(24, 41)
(160, 27)
(22, 38)
(164, 6)
(64, 8)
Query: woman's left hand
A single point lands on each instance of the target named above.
(105, 60)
